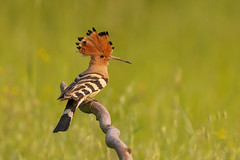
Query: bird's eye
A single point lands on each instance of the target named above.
(102, 56)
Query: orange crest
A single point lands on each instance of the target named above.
(95, 44)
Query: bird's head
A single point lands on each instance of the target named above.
(98, 47)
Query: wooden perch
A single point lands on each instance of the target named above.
(112, 133)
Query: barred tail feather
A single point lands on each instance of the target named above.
(66, 117)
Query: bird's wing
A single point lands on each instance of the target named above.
(84, 86)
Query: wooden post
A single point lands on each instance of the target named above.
(112, 133)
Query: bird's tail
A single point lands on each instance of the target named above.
(66, 117)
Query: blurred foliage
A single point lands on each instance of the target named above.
(178, 100)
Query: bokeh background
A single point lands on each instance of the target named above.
(178, 100)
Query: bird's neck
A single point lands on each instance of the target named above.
(97, 68)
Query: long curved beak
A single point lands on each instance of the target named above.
(116, 58)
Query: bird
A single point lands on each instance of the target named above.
(90, 82)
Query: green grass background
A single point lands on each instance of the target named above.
(179, 100)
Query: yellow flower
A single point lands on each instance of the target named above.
(222, 134)
(5, 89)
(44, 55)
(14, 90)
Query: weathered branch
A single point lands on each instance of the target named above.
(112, 133)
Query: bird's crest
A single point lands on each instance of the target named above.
(95, 44)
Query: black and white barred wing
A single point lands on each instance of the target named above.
(84, 86)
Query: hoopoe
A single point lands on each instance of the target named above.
(91, 81)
